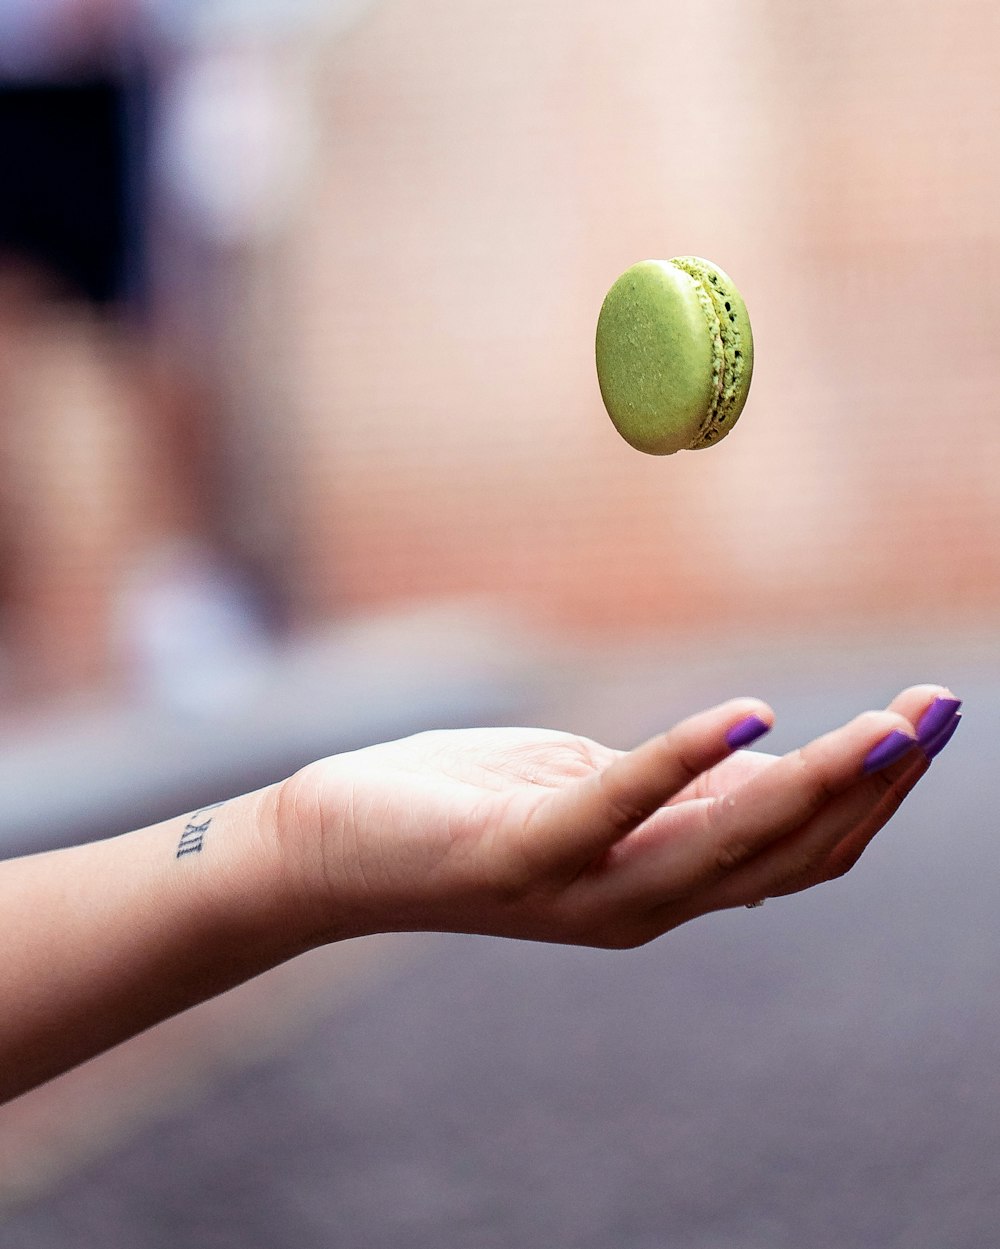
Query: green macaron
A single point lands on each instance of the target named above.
(674, 355)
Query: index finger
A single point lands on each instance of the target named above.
(585, 819)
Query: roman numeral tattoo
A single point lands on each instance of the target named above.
(193, 836)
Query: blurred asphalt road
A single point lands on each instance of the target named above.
(823, 1072)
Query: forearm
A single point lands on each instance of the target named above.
(517, 833)
(104, 940)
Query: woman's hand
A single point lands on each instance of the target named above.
(546, 836)
(517, 832)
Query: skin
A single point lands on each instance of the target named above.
(520, 833)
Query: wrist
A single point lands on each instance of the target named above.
(241, 881)
(138, 927)
(274, 890)
(311, 817)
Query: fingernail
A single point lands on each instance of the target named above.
(938, 743)
(746, 731)
(889, 749)
(937, 717)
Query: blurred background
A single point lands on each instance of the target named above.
(301, 446)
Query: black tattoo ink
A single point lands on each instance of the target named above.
(193, 836)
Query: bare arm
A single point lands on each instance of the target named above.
(104, 940)
(516, 832)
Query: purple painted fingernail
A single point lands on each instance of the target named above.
(746, 731)
(938, 743)
(892, 747)
(938, 716)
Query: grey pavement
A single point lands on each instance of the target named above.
(820, 1072)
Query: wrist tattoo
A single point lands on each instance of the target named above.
(193, 836)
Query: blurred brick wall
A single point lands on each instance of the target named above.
(487, 170)
(396, 398)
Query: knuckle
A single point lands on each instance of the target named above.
(730, 850)
(678, 748)
(816, 778)
(821, 780)
(731, 855)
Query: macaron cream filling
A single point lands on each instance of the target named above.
(728, 348)
(709, 430)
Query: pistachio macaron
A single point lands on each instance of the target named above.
(674, 354)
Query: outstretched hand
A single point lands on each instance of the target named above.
(514, 832)
(547, 836)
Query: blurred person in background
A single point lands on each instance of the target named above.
(69, 221)
(109, 448)
(72, 109)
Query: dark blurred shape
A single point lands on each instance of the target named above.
(71, 183)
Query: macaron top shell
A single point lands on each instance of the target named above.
(674, 355)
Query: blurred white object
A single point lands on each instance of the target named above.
(234, 143)
(191, 632)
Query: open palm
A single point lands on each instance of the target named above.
(544, 835)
